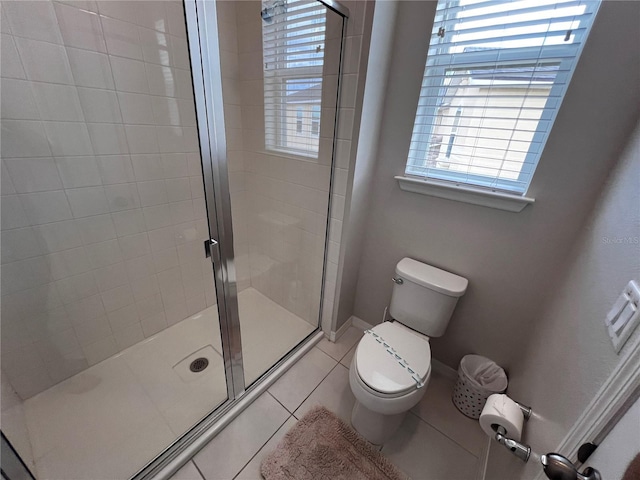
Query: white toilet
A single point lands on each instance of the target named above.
(390, 370)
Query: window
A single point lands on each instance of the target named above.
(315, 120)
(299, 120)
(494, 80)
(293, 54)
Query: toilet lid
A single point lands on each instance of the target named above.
(392, 359)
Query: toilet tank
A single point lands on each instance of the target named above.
(424, 297)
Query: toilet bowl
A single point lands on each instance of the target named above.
(391, 367)
(389, 374)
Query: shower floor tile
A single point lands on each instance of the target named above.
(111, 419)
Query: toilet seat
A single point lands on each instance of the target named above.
(393, 360)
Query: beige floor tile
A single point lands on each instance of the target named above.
(227, 454)
(424, 453)
(346, 360)
(294, 386)
(252, 470)
(340, 348)
(334, 393)
(437, 409)
(187, 472)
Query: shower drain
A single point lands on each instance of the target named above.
(199, 364)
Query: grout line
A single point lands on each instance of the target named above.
(197, 469)
(260, 449)
(317, 386)
(445, 434)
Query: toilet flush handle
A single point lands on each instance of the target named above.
(397, 280)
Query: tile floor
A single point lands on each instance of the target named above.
(111, 419)
(435, 442)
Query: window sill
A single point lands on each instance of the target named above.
(485, 198)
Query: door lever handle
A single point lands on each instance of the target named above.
(559, 467)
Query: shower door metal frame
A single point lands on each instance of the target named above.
(202, 33)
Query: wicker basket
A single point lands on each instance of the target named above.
(468, 396)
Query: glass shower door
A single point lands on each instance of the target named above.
(111, 344)
(280, 68)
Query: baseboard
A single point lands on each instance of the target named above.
(334, 336)
(359, 323)
(444, 370)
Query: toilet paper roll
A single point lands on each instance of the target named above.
(500, 410)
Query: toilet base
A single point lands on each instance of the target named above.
(375, 427)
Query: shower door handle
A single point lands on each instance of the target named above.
(207, 246)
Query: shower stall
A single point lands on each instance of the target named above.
(166, 185)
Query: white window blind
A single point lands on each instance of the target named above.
(293, 55)
(495, 76)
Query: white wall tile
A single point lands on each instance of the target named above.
(96, 229)
(128, 222)
(123, 318)
(99, 106)
(78, 171)
(12, 213)
(133, 246)
(91, 331)
(85, 309)
(22, 138)
(58, 236)
(68, 263)
(116, 298)
(123, 10)
(129, 75)
(18, 244)
(75, 288)
(121, 38)
(141, 139)
(44, 62)
(136, 108)
(111, 277)
(33, 174)
(153, 324)
(115, 169)
(90, 69)
(87, 201)
(68, 138)
(163, 80)
(57, 102)
(156, 47)
(108, 138)
(100, 350)
(153, 193)
(122, 196)
(80, 28)
(45, 207)
(17, 99)
(146, 167)
(11, 64)
(32, 19)
(105, 253)
(128, 336)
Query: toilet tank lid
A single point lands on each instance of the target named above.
(431, 277)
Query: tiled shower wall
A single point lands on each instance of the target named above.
(103, 214)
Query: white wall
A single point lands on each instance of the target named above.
(510, 259)
(568, 354)
(103, 212)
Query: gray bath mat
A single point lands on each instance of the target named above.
(321, 446)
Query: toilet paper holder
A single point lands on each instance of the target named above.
(520, 450)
